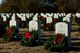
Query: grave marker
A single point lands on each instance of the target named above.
(63, 28)
(33, 25)
(55, 16)
(49, 19)
(4, 17)
(68, 15)
(13, 16)
(66, 19)
(35, 18)
(22, 16)
(78, 15)
(12, 23)
(42, 14)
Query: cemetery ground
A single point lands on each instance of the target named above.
(15, 47)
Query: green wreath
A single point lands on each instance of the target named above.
(12, 35)
(48, 27)
(49, 44)
(30, 41)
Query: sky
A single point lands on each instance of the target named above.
(0, 1)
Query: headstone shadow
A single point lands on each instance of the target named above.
(75, 46)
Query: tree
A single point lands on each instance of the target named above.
(21, 6)
(24, 6)
(62, 5)
(9, 6)
(68, 5)
(73, 5)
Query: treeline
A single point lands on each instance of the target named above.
(36, 6)
(72, 6)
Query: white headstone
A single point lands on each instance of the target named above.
(61, 28)
(55, 16)
(27, 15)
(78, 15)
(31, 14)
(23, 19)
(13, 16)
(8, 15)
(12, 23)
(68, 15)
(22, 16)
(33, 25)
(18, 15)
(63, 14)
(49, 14)
(49, 19)
(35, 18)
(4, 18)
(66, 19)
(59, 14)
(42, 14)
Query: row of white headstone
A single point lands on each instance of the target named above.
(61, 27)
(28, 15)
(33, 23)
(23, 16)
(65, 18)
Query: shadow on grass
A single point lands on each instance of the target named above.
(75, 46)
(75, 49)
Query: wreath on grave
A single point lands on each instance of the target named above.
(48, 27)
(30, 38)
(56, 42)
(43, 22)
(10, 35)
(55, 20)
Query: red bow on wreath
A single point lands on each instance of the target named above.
(9, 32)
(58, 39)
(54, 20)
(48, 25)
(28, 35)
(42, 18)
